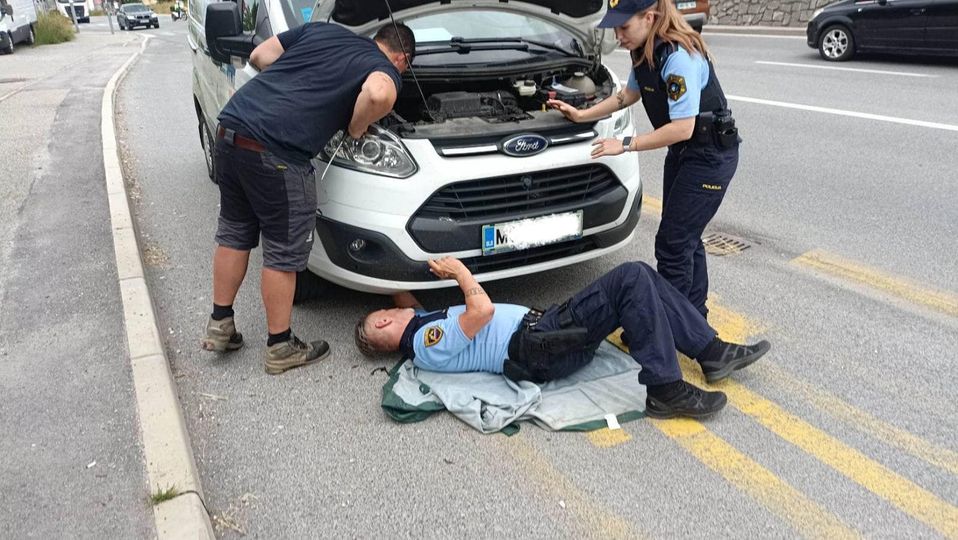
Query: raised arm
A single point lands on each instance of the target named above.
(375, 100)
(479, 308)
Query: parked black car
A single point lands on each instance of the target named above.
(847, 27)
(130, 16)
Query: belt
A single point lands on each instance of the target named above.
(238, 140)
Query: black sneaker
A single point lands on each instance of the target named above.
(294, 353)
(720, 358)
(693, 402)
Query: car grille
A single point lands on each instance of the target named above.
(515, 259)
(519, 193)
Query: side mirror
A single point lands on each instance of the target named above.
(6, 9)
(224, 32)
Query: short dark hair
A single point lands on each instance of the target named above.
(363, 343)
(398, 38)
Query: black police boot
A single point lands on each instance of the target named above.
(682, 399)
(720, 359)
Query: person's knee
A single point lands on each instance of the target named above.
(634, 268)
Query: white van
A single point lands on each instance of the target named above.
(17, 21)
(81, 8)
(470, 159)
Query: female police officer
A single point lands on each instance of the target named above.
(673, 76)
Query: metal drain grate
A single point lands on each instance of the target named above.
(721, 245)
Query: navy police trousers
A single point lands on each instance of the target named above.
(657, 318)
(694, 183)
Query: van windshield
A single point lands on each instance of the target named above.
(298, 11)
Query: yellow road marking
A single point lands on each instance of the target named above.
(607, 438)
(804, 514)
(595, 520)
(651, 204)
(734, 327)
(834, 265)
(899, 491)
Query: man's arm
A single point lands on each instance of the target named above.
(479, 308)
(266, 53)
(375, 100)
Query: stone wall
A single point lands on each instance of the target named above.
(764, 13)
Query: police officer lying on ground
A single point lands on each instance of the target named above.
(316, 80)
(525, 344)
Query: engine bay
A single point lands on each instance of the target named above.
(494, 104)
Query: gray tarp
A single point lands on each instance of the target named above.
(489, 402)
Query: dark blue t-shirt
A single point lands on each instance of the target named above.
(295, 105)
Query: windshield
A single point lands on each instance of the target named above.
(298, 11)
(135, 7)
(485, 24)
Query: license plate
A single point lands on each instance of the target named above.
(686, 5)
(532, 232)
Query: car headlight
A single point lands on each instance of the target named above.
(816, 13)
(378, 152)
(623, 122)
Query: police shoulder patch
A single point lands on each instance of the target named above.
(676, 86)
(432, 335)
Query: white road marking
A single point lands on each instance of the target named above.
(766, 36)
(842, 112)
(169, 34)
(836, 68)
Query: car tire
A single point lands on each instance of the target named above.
(208, 143)
(836, 44)
(309, 287)
(156, 25)
(10, 47)
(31, 36)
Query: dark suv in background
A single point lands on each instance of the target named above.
(847, 27)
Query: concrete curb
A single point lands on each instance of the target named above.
(166, 443)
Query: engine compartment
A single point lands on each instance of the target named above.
(496, 104)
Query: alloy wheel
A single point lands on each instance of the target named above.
(835, 43)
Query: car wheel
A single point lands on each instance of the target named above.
(31, 36)
(309, 287)
(836, 44)
(157, 25)
(9, 49)
(208, 144)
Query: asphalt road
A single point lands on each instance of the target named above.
(846, 428)
(70, 458)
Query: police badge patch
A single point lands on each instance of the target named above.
(676, 86)
(432, 335)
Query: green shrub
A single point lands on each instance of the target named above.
(53, 28)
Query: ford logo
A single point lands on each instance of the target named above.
(525, 145)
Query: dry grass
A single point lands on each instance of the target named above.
(53, 28)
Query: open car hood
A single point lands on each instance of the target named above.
(577, 16)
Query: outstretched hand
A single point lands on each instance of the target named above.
(447, 267)
(607, 147)
(567, 110)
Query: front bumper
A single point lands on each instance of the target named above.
(381, 267)
(811, 34)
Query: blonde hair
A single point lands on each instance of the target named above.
(363, 342)
(669, 25)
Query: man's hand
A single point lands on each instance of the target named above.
(447, 268)
(479, 308)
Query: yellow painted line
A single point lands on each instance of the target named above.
(594, 520)
(651, 204)
(836, 266)
(734, 327)
(805, 515)
(890, 486)
(607, 438)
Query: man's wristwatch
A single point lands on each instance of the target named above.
(627, 143)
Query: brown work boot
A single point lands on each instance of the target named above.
(294, 353)
(221, 336)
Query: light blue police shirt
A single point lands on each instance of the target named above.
(442, 346)
(691, 67)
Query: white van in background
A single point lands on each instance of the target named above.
(17, 20)
(81, 8)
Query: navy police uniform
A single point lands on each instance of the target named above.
(658, 318)
(697, 172)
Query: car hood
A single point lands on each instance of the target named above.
(579, 17)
